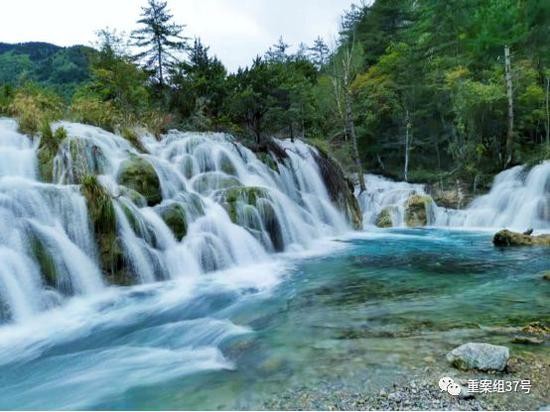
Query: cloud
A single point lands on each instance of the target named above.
(235, 30)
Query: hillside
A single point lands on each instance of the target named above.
(62, 68)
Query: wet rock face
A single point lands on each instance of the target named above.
(339, 188)
(139, 175)
(481, 356)
(384, 218)
(417, 210)
(174, 217)
(508, 238)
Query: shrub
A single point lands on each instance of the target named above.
(94, 111)
(34, 106)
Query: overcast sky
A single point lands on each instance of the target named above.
(235, 30)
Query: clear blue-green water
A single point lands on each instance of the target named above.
(371, 308)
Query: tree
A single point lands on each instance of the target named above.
(344, 70)
(277, 52)
(319, 52)
(199, 88)
(159, 37)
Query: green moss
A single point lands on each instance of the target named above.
(103, 218)
(47, 150)
(131, 135)
(136, 198)
(384, 218)
(45, 261)
(207, 183)
(139, 175)
(248, 195)
(417, 210)
(175, 218)
(268, 160)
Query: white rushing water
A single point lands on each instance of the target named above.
(385, 193)
(519, 199)
(47, 247)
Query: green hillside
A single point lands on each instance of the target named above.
(61, 68)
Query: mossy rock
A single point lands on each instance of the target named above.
(209, 182)
(175, 218)
(136, 198)
(384, 218)
(85, 159)
(246, 194)
(339, 188)
(138, 174)
(45, 261)
(47, 150)
(258, 198)
(508, 238)
(268, 160)
(104, 224)
(417, 209)
(226, 165)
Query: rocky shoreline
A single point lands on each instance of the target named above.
(420, 391)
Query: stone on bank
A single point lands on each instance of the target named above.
(481, 356)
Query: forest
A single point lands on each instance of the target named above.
(423, 91)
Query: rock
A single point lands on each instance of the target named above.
(237, 202)
(508, 238)
(339, 188)
(546, 275)
(527, 340)
(481, 356)
(104, 223)
(384, 218)
(175, 218)
(536, 328)
(138, 174)
(417, 210)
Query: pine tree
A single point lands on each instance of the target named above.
(159, 38)
(319, 52)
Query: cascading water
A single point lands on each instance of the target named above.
(519, 199)
(230, 209)
(385, 194)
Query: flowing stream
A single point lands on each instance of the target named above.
(268, 290)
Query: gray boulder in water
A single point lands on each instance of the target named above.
(481, 356)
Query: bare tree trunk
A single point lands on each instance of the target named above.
(547, 111)
(407, 146)
(510, 134)
(351, 129)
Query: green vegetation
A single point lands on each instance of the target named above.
(139, 175)
(418, 90)
(104, 224)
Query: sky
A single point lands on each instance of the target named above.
(235, 30)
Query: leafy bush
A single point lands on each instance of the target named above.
(92, 110)
(34, 106)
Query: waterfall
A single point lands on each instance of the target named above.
(385, 194)
(519, 199)
(216, 205)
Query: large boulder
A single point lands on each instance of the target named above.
(417, 210)
(481, 356)
(508, 238)
(138, 174)
(175, 218)
(384, 218)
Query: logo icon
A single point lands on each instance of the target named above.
(448, 384)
